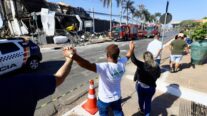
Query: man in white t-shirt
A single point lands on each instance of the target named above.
(110, 73)
(155, 47)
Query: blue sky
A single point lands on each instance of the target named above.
(180, 9)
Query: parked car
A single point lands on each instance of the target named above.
(18, 52)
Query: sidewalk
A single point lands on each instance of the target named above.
(178, 94)
(57, 46)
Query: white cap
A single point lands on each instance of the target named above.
(180, 35)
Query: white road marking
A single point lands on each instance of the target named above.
(124, 51)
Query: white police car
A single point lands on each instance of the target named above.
(18, 52)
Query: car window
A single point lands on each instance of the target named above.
(8, 47)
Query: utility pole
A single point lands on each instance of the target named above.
(121, 13)
(166, 11)
(93, 22)
(163, 33)
(110, 15)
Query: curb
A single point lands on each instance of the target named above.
(79, 111)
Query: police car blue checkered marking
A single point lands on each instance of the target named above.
(10, 57)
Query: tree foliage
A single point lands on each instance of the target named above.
(188, 24)
(199, 32)
(204, 17)
(140, 12)
(106, 3)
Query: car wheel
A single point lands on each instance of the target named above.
(33, 63)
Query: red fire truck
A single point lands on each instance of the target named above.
(125, 32)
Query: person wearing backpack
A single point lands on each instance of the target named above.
(145, 76)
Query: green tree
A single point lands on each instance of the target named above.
(109, 3)
(106, 3)
(157, 16)
(137, 14)
(199, 32)
(204, 17)
(143, 14)
(129, 8)
(188, 24)
(147, 15)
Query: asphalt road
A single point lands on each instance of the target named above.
(76, 82)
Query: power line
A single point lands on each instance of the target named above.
(100, 13)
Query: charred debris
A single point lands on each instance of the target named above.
(40, 20)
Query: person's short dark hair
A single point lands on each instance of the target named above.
(176, 37)
(112, 51)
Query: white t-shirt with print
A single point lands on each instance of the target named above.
(154, 47)
(110, 79)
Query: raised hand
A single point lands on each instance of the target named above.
(69, 51)
(131, 45)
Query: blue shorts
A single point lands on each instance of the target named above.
(176, 58)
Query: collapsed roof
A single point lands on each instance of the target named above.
(25, 7)
(22, 10)
(34, 5)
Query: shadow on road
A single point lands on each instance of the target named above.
(49, 67)
(125, 99)
(161, 103)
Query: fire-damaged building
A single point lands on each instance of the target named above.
(42, 20)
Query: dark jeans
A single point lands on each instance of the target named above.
(115, 106)
(145, 98)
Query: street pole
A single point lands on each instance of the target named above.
(163, 33)
(110, 15)
(166, 11)
(121, 14)
(93, 22)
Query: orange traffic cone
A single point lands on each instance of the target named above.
(90, 106)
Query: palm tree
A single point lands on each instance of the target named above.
(157, 16)
(129, 7)
(152, 18)
(109, 3)
(146, 15)
(137, 14)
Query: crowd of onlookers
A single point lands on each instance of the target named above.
(20, 94)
